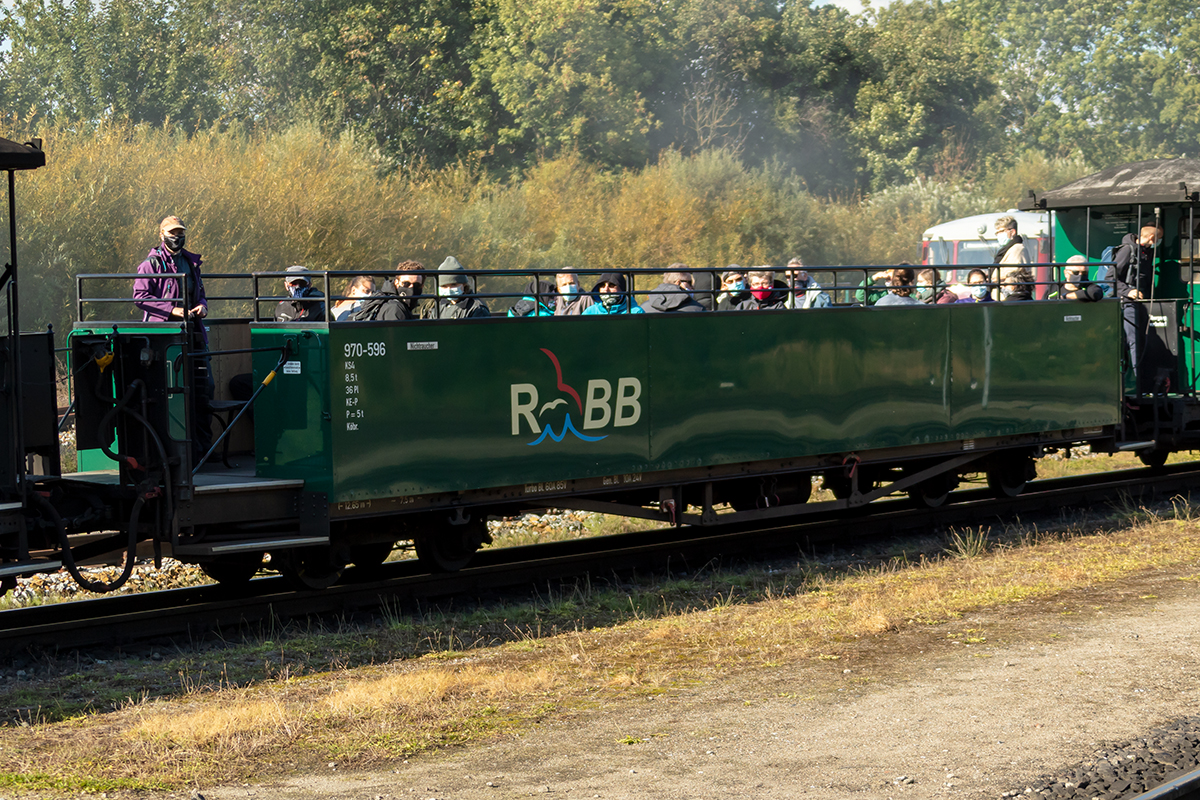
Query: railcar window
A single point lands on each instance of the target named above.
(1189, 246)
(940, 252)
(976, 252)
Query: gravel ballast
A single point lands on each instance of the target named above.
(1164, 754)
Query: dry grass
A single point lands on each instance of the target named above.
(365, 716)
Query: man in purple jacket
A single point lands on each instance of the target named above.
(180, 299)
(161, 299)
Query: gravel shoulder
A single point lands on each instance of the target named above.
(973, 709)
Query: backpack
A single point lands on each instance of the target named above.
(1106, 276)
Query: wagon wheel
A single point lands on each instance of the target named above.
(1155, 458)
(309, 568)
(233, 570)
(368, 558)
(934, 492)
(838, 483)
(447, 547)
(799, 493)
(1007, 476)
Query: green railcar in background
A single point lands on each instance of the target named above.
(1091, 218)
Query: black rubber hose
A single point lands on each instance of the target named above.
(122, 405)
(99, 587)
(162, 453)
(110, 416)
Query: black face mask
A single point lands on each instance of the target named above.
(175, 243)
(409, 294)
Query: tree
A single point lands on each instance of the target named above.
(1108, 81)
(139, 60)
(574, 75)
(928, 82)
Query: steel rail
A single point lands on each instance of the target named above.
(1185, 787)
(195, 611)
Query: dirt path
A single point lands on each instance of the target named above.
(913, 714)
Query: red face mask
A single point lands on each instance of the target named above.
(761, 294)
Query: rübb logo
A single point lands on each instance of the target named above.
(601, 405)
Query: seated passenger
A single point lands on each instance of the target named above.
(734, 288)
(457, 296)
(870, 291)
(298, 309)
(1076, 285)
(930, 290)
(763, 294)
(571, 300)
(978, 288)
(900, 289)
(360, 287)
(705, 283)
(395, 299)
(675, 293)
(537, 302)
(803, 291)
(1017, 286)
(611, 297)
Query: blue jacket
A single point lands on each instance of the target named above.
(620, 308)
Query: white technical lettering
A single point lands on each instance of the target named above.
(628, 410)
(598, 394)
(523, 410)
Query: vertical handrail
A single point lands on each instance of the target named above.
(1192, 296)
(14, 343)
(189, 410)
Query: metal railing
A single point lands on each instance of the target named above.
(502, 289)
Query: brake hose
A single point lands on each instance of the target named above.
(99, 587)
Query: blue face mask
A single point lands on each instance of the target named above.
(739, 286)
(979, 290)
(300, 290)
(455, 290)
(569, 289)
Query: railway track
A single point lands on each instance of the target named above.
(195, 611)
(1186, 787)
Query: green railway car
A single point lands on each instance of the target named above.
(1092, 216)
(367, 434)
(393, 417)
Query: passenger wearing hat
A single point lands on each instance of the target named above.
(457, 300)
(298, 309)
(164, 299)
(611, 297)
(734, 289)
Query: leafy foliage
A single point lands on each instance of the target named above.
(927, 88)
